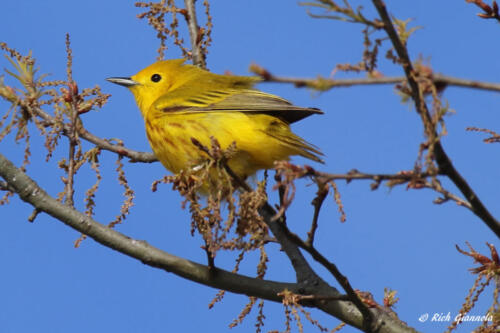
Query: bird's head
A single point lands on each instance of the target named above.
(154, 81)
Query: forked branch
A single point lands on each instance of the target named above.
(443, 161)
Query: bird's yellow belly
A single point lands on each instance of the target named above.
(171, 136)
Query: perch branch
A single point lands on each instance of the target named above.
(31, 193)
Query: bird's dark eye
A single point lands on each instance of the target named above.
(156, 77)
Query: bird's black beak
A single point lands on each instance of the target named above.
(123, 81)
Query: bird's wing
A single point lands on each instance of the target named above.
(282, 133)
(240, 100)
(244, 100)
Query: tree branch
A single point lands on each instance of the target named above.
(31, 193)
(465, 83)
(317, 202)
(194, 29)
(489, 12)
(443, 161)
(357, 175)
(324, 84)
(73, 142)
(135, 156)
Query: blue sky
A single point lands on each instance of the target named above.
(397, 239)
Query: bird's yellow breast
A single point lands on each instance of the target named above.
(171, 136)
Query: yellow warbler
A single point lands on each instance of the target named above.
(182, 102)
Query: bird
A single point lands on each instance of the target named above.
(183, 104)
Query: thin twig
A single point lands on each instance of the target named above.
(408, 176)
(210, 258)
(135, 156)
(489, 12)
(465, 83)
(494, 137)
(4, 186)
(445, 164)
(282, 189)
(73, 115)
(357, 175)
(416, 180)
(69, 190)
(33, 215)
(194, 34)
(73, 141)
(317, 203)
(324, 84)
(447, 195)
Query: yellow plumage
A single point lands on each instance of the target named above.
(180, 102)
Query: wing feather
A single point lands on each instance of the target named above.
(236, 100)
(303, 147)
